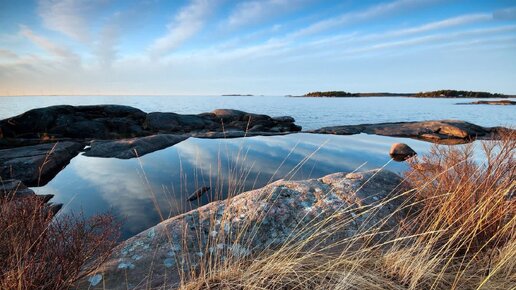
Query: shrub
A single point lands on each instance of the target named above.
(42, 251)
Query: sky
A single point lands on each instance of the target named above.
(269, 47)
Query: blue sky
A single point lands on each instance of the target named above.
(190, 47)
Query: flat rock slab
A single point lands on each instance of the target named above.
(500, 102)
(110, 122)
(443, 131)
(36, 165)
(246, 225)
(131, 148)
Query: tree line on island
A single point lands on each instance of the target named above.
(430, 94)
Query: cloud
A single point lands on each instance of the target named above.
(59, 51)
(446, 23)
(7, 54)
(69, 17)
(185, 25)
(505, 14)
(359, 16)
(250, 12)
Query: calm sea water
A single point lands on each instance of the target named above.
(143, 192)
(311, 113)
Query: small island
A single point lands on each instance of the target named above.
(343, 94)
(237, 95)
(458, 94)
(429, 94)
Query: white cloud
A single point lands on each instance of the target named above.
(185, 25)
(8, 55)
(505, 14)
(70, 17)
(358, 16)
(255, 11)
(57, 50)
(446, 23)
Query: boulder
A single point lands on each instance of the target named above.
(36, 165)
(337, 206)
(401, 152)
(134, 147)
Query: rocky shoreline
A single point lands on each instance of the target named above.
(37, 144)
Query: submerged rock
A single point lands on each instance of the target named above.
(401, 152)
(198, 193)
(336, 206)
(36, 165)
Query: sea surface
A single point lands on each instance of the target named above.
(311, 113)
(142, 192)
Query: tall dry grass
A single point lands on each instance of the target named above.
(460, 234)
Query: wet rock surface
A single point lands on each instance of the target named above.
(252, 222)
(37, 164)
(443, 131)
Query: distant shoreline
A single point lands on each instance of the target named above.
(444, 94)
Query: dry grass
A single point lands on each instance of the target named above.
(460, 235)
(42, 251)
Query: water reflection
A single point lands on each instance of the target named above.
(146, 190)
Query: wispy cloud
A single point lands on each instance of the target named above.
(359, 16)
(69, 17)
(505, 14)
(49, 46)
(188, 21)
(7, 54)
(251, 12)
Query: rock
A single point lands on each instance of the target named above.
(266, 218)
(99, 121)
(229, 114)
(109, 122)
(284, 119)
(36, 165)
(498, 102)
(432, 131)
(401, 152)
(172, 122)
(198, 193)
(14, 188)
(134, 147)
